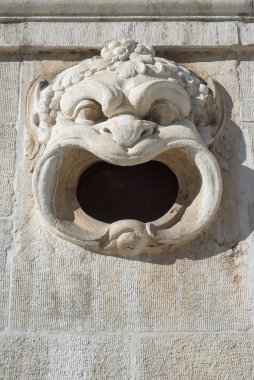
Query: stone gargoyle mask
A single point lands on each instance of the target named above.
(125, 108)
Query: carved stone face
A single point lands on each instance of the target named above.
(126, 108)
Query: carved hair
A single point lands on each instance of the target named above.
(126, 58)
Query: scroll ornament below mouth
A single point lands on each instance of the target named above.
(126, 107)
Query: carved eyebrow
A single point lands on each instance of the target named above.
(109, 97)
(144, 95)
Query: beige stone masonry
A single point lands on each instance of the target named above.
(70, 314)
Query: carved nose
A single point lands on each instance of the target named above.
(126, 130)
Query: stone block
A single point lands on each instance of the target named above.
(9, 84)
(64, 357)
(5, 244)
(7, 168)
(246, 77)
(80, 36)
(246, 34)
(203, 357)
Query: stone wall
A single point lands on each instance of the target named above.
(66, 313)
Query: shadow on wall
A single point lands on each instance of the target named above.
(234, 221)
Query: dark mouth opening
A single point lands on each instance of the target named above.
(110, 193)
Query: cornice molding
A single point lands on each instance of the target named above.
(130, 8)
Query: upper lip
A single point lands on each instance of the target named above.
(146, 149)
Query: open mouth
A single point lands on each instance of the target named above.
(142, 192)
(117, 209)
(96, 196)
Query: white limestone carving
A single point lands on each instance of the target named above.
(125, 107)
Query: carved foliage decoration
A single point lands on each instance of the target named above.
(125, 107)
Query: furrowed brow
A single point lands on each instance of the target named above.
(109, 97)
(145, 94)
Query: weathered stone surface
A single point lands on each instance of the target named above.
(201, 287)
(171, 306)
(5, 245)
(206, 357)
(64, 357)
(58, 287)
(246, 76)
(133, 7)
(247, 34)
(7, 168)
(246, 158)
(9, 84)
(80, 36)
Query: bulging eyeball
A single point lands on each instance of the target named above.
(88, 110)
(163, 113)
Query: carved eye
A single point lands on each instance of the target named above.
(88, 110)
(163, 113)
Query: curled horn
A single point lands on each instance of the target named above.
(212, 120)
(221, 112)
(33, 143)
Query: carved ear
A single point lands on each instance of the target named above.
(215, 116)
